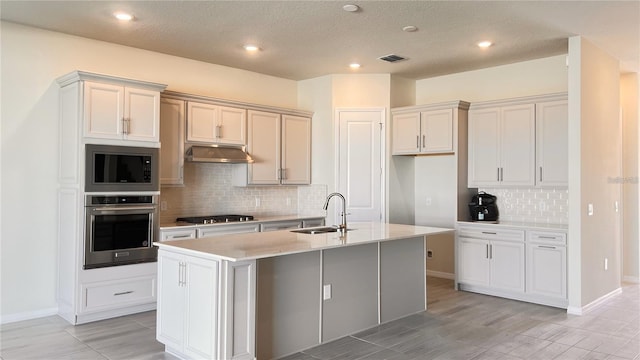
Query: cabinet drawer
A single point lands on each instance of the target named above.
(177, 234)
(281, 225)
(216, 230)
(556, 238)
(312, 222)
(491, 233)
(112, 294)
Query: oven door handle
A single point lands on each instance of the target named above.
(111, 210)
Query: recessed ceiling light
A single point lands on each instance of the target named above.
(123, 16)
(354, 65)
(251, 48)
(485, 44)
(410, 28)
(351, 8)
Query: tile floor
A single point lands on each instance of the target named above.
(458, 325)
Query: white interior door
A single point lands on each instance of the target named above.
(361, 162)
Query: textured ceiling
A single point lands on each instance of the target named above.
(306, 39)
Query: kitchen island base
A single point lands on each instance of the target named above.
(215, 306)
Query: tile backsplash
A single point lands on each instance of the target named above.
(544, 205)
(208, 190)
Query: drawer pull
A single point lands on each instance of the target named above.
(181, 236)
(123, 293)
(546, 247)
(489, 233)
(547, 237)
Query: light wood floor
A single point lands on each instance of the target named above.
(457, 325)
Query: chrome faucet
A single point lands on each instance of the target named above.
(343, 226)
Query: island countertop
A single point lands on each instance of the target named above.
(251, 246)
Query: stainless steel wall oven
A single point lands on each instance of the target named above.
(120, 229)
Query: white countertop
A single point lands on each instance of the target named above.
(263, 219)
(251, 246)
(518, 225)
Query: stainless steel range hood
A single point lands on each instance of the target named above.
(229, 154)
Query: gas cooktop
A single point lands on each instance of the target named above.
(214, 219)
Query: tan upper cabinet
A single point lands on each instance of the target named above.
(426, 129)
(502, 146)
(118, 112)
(172, 141)
(281, 149)
(552, 133)
(209, 123)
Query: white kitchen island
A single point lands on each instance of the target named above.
(267, 295)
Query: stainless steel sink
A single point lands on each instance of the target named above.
(316, 230)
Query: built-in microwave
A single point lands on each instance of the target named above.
(121, 168)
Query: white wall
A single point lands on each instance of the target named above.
(541, 76)
(594, 158)
(630, 97)
(31, 61)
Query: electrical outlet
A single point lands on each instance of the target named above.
(429, 253)
(590, 209)
(606, 264)
(326, 292)
(257, 201)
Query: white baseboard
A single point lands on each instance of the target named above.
(440, 274)
(6, 319)
(631, 279)
(577, 310)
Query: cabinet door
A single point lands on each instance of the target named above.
(264, 146)
(296, 150)
(507, 265)
(552, 133)
(484, 147)
(547, 270)
(202, 122)
(474, 261)
(171, 142)
(103, 110)
(142, 114)
(406, 131)
(201, 308)
(232, 126)
(171, 300)
(436, 132)
(517, 138)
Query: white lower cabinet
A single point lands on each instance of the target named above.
(547, 265)
(206, 307)
(528, 264)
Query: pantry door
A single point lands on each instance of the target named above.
(360, 175)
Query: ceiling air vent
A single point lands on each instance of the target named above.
(392, 58)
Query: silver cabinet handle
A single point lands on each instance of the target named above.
(546, 247)
(489, 233)
(498, 174)
(123, 293)
(540, 173)
(490, 251)
(424, 140)
(284, 174)
(487, 251)
(217, 131)
(417, 141)
(501, 174)
(181, 236)
(547, 237)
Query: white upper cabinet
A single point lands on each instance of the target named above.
(552, 132)
(280, 146)
(172, 141)
(209, 123)
(121, 112)
(426, 129)
(502, 145)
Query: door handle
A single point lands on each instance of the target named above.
(417, 141)
(423, 140)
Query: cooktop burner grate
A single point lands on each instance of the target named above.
(214, 219)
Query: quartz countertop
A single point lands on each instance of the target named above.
(251, 246)
(518, 225)
(259, 219)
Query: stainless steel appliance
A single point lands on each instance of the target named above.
(214, 219)
(121, 168)
(120, 229)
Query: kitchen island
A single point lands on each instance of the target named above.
(267, 295)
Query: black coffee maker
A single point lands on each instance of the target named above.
(483, 207)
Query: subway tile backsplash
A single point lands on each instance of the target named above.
(540, 205)
(208, 190)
